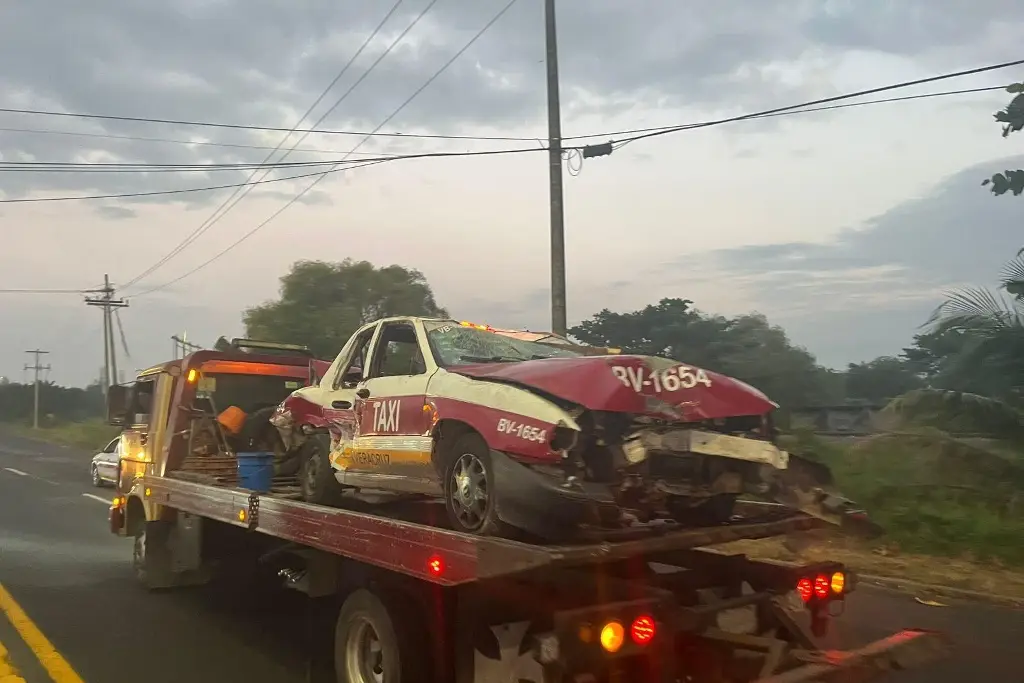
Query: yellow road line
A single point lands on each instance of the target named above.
(7, 672)
(58, 668)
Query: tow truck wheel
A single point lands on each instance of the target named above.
(316, 476)
(373, 644)
(469, 487)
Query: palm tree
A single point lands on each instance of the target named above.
(992, 325)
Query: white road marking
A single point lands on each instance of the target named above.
(18, 472)
(95, 497)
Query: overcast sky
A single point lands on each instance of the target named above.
(843, 226)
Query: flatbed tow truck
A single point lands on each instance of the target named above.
(408, 601)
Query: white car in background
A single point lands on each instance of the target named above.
(104, 464)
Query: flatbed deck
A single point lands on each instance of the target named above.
(392, 537)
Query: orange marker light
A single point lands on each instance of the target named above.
(838, 582)
(612, 636)
(192, 375)
(805, 589)
(822, 586)
(642, 631)
(435, 565)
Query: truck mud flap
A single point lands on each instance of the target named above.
(901, 651)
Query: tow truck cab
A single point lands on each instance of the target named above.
(170, 407)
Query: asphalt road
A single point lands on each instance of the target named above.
(85, 618)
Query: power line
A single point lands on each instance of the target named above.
(904, 98)
(241, 192)
(132, 167)
(269, 129)
(824, 100)
(313, 184)
(356, 163)
(47, 291)
(173, 141)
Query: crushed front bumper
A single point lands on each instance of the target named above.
(899, 652)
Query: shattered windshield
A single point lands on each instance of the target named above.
(455, 344)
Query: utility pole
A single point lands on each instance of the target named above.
(108, 303)
(35, 368)
(183, 345)
(558, 309)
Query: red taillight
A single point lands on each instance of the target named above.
(822, 586)
(642, 631)
(435, 565)
(805, 588)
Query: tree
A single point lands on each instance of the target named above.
(881, 379)
(1013, 119)
(989, 329)
(747, 347)
(322, 304)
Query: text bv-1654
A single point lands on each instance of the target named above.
(673, 379)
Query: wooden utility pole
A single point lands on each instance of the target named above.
(108, 303)
(35, 368)
(558, 306)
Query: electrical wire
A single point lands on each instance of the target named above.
(824, 100)
(313, 184)
(269, 129)
(904, 98)
(128, 167)
(355, 163)
(243, 190)
(48, 291)
(173, 141)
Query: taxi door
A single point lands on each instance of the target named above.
(393, 445)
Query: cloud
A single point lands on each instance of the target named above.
(867, 290)
(116, 212)
(191, 60)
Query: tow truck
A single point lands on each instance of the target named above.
(410, 601)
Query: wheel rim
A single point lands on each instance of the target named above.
(364, 654)
(470, 492)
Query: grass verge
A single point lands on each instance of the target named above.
(89, 435)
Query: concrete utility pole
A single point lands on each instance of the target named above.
(35, 368)
(108, 303)
(558, 308)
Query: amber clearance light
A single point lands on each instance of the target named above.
(612, 636)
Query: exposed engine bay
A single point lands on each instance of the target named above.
(695, 472)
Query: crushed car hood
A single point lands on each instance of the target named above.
(630, 384)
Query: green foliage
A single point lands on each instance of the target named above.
(982, 337)
(322, 304)
(747, 347)
(62, 403)
(1013, 119)
(881, 379)
(955, 412)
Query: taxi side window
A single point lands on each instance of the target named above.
(398, 353)
(356, 359)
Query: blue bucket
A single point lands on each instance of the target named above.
(256, 471)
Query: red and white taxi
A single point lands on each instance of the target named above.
(535, 436)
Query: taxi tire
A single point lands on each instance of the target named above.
(399, 630)
(474, 444)
(325, 488)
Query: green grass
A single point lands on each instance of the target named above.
(933, 494)
(89, 435)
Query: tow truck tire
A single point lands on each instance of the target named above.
(371, 640)
(316, 476)
(470, 454)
